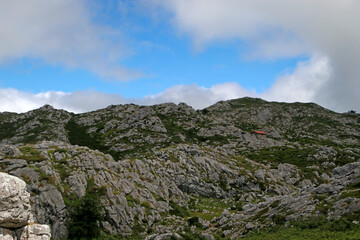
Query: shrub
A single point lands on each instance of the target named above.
(178, 210)
(194, 221)
(85, 214)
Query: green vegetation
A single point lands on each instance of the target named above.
(132, 201)
(246, 101)
(355, 185)
(63, 171)
(178, 210)
(45, 177)
(8, 129)
(295, 156)
(30, 154)
(85, 214)
(174, 129)
(208, 208)
(317, 228)
(78, 136)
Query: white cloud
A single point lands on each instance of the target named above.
(81, 101)
(282, 28)
(198, 97)
(301, 85)
(60, 32)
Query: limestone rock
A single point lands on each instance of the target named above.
(36, 232)
(7, 234)
(15, 208)
(16, 220)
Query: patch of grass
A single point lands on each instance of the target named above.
(208, 208)
(146, 205)
(178, 210)
(317, 228)
(283, 233)
(350, 193)
(355, 185)
(78, 136)
(45, 177)
(173, 158)
(8, 129)
(63, 171)
(26, 178)
(30, 154)
(295, 156)
(132, 201)
(238, 206)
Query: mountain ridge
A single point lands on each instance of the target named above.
(170, 169)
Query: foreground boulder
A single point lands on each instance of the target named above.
(14, 202)
(16, 219)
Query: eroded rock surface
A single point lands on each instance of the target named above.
(15, 208)
(16, 219)
(169, 168)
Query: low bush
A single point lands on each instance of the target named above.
(86, 214)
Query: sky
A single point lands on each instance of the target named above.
(86, 54)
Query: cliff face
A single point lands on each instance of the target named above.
(168, 168)
(16, 219)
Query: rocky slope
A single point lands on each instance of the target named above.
(168, 169)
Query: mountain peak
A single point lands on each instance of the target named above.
(46, 107)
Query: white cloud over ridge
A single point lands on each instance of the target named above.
(302, 85)
(60, 32)
(282, 28)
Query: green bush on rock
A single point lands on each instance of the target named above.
(85, 214)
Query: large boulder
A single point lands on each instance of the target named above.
(15, 210)
(16, 219)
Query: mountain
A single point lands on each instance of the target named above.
(169, 171)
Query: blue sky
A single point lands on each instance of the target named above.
(85, 55)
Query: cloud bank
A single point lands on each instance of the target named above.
(301, 85)
(281, 28)
(60, 32)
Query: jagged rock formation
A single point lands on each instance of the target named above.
(16, 220)
(168, 168)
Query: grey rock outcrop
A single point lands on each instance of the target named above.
(15, 208)
(35, 232)
(16, 219)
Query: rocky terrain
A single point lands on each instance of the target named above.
(168, 170)
(16, 219)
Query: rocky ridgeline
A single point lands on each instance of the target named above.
(168, 169)
(16, 218)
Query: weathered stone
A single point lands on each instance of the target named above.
(324, 188)
(15, 212)
(15, 208)
(207, 236)
(36, 232)
(7, 234)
